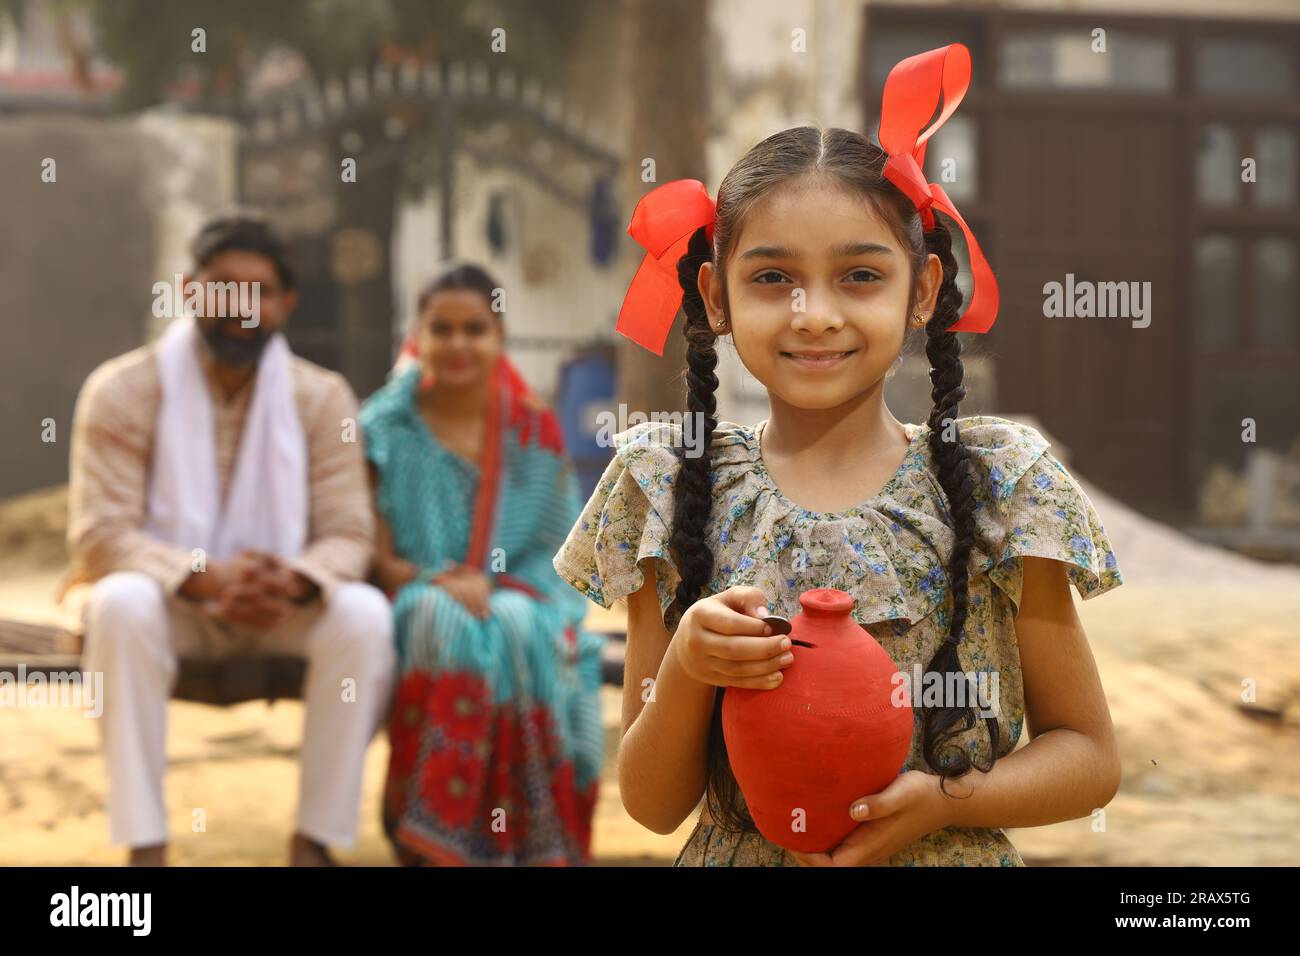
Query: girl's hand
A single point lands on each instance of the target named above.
(469, 586)
(722, 640)
(896, 817)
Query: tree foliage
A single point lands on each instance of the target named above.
(152, 42)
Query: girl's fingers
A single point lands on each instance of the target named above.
(735, 611)
(732, 648)
(751, 668)
(723, 620)
(767, 682)
(744, 600)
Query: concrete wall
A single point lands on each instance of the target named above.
(76, 265)
(79, 256)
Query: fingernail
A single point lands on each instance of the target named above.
(859, 811)
(785, 644)
(762, 612)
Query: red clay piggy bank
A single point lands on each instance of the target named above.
(830, 733)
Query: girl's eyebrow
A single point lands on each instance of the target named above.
(842, 251)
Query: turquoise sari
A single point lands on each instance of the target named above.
(496, 733)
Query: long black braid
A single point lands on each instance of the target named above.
(692, 501)
(955, 473)
(691, 495)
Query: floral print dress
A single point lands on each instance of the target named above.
(890, 553)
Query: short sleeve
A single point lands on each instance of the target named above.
(375, 443)
(373, 438)
(383, 414)
(626, 521)
(1048, 515)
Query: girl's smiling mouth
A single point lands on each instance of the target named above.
(818, 358)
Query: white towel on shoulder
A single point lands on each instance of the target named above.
(266, 506)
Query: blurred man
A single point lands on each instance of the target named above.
(219, 504)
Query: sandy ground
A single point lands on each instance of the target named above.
(238, 765)
(1204, 782)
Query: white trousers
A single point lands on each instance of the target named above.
(134, 634)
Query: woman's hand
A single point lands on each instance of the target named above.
(896, 817)
(469, 586)
(392, 573)
(722, 640)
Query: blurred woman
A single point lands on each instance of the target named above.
(496, 732)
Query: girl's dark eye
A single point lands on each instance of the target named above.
(770, 277)
(862, 275)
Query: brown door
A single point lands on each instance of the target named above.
(1094, 192)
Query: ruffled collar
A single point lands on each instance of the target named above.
(751, 439)
(893, 548)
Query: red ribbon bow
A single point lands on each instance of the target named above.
(662, 224)
(912, 94)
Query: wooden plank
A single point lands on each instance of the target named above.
(217, 681)
(234, 680)
(220, 682)
(43, 664)
(27, 637)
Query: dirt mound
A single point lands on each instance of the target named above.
(1149, 552)
(32, 530)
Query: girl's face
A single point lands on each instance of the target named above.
(459, 338)
(817, 293)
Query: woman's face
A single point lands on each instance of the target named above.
(459, 338)
(817, 293)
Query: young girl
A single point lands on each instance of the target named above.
(956, 538)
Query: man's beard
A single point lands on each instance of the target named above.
(231, 351)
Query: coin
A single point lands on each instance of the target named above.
(778, 624)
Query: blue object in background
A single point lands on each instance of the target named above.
(587, 388)
(496, 223)
(606, 223)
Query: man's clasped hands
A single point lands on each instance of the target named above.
(254, 589)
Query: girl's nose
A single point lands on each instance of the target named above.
(817, 317)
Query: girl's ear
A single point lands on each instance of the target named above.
(929, 282)
(710, 284)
